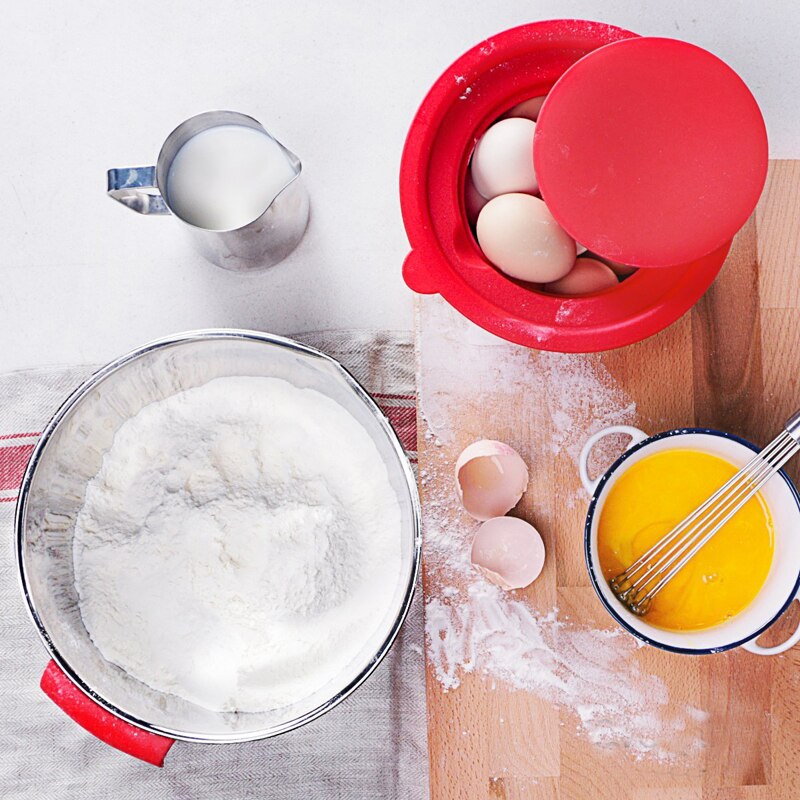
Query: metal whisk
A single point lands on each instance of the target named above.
(653, 570)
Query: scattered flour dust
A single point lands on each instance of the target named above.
(475, 627)
(239, 546)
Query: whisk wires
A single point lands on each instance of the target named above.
(639, 584)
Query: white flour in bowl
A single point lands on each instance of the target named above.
(239, 546)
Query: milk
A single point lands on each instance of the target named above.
(226, 176)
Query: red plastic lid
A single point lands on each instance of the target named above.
(651, 152)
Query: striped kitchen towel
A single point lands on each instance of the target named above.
(371, 746)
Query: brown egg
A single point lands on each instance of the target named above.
(474, 201)
(620, 270)
(490, 478)
(587, 276)
(527, 108)
(509, 552)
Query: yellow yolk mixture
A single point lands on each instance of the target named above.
(653, 496)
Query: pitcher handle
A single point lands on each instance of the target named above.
(753, 647)
(135, 187)
(590, 484)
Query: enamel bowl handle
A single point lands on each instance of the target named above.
(757, 649)
(590, 484)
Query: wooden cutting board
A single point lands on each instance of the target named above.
(732, 363)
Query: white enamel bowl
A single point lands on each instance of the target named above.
(783, 579)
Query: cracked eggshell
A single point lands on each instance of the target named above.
(490, 478)
(509, 552)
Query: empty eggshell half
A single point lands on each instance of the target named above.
(587, 276)
(490, 478)
(509, 552)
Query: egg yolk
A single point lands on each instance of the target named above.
(653, 496)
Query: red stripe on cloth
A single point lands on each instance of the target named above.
(8, 499)
(13, 461)
(384, 396)
(404, 421)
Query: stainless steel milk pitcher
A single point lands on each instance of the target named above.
(260, 243)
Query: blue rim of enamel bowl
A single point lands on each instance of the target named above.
(588, 543)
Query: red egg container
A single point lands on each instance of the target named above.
(445, 258)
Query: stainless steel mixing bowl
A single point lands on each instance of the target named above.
(69, 454)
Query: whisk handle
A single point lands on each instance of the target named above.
(792, 426)
(590, 484)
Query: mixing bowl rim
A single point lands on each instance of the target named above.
(82, 391)
(588, 553)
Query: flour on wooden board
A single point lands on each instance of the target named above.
(471, 625)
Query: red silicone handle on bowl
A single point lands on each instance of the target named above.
(141, 744)
(420, 277)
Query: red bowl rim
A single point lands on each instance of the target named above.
(427, 269)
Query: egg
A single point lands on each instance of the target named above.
(509, 552)
(518, 234)
(503, 159)
(620, 270)
(490, 478)
(474, 201)
(527, 108)
(587, 276)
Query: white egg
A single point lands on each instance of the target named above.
(528, 108)
(503, 159)
(587, 276)
(518, 234)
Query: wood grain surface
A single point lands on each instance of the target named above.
(733, 363)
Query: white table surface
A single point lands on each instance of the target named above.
(87, 85)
